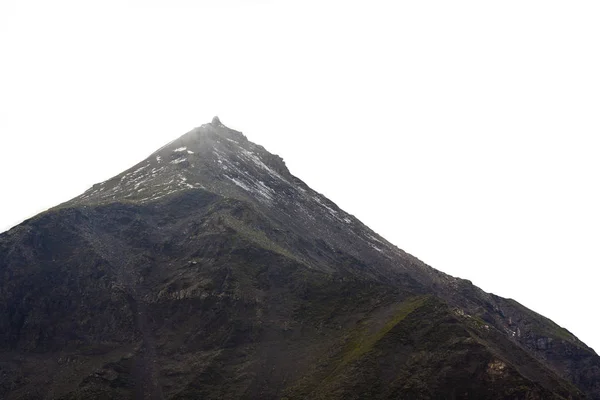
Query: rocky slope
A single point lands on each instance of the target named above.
(209, 271)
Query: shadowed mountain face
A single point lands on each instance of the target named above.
(208, 271)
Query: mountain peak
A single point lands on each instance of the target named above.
(211, 157)
(216, 121)
(209, 271)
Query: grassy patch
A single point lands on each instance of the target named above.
(257, 237)
(364, 341)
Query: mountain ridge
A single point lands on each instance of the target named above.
(213, 222)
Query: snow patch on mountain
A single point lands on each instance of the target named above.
(258, 162)
(239, 183)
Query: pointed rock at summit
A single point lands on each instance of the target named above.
(209, 271)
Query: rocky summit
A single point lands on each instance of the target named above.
(209, 271)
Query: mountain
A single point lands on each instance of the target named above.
(209, 271)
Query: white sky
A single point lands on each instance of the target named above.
(465, 132)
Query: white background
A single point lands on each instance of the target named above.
(465, 132)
